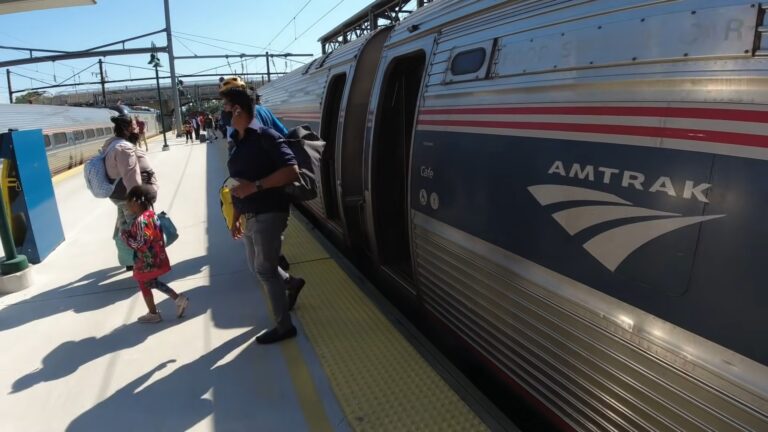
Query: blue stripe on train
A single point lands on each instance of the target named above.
(707, 277)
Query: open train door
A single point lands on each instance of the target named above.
(349, 155)
(396, 99)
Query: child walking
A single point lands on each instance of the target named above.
(150, 260)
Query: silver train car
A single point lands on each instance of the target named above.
(576, 189)
(72, 135)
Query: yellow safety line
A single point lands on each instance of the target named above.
(67, 174)
(309, 400)
(380, 380)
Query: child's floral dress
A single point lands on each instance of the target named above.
(146, 239)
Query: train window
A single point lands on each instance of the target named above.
(47, 141)
(79, 135)
(59, 138)
(107, 131)
(99, 132)
(89, 133)
(469, 62)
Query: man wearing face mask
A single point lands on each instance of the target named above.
(262, 164)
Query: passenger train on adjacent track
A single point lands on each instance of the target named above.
(576, 189)
(72, 134)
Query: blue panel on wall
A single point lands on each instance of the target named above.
(44, 222)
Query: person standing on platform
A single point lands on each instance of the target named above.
(188, 131)
(142, 136)
(262, 164)
(130, 167)
(145, 238)
(209, 134)
(266, 118)
(226, 126)
(196, 127)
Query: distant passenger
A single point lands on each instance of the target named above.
(262, 164)
(209, 134)
(225, 124)
(188, 131)
(150, 259)
(266, 118)
(129, 164)
(196, 127)
(142, 133)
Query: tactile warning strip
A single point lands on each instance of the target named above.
(299, 245)
(381, 381)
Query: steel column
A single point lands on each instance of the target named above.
(172, 65)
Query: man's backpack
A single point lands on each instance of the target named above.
(308, 149)
(95, 172)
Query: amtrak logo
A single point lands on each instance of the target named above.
(613, 246)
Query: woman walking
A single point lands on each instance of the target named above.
(130, 167)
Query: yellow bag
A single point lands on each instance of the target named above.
(227, 208)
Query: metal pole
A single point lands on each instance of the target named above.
(172, 65)
(269, 74)
(10, 90)
(162, 117)
(103, 89)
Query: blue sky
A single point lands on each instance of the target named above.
(258, 23)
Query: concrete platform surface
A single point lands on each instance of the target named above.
(73, 357)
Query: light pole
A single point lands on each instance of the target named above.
(154, 61)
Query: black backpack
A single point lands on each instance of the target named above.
(308, 149)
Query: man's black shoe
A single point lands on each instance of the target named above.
(275, 335)
(294, 286)
(283, 263)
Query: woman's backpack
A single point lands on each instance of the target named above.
(307, 147)
(95, 172)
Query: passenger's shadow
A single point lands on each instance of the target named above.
(176, 402)
(68, 357)
(86, 294)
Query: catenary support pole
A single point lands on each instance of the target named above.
(172, 66)
(10, 90)
(269, 73)
(103, 89)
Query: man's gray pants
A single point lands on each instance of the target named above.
(262, 236)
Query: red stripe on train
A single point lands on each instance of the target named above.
(742, 139)
(619, 111)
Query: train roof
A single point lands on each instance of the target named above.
(28, 116)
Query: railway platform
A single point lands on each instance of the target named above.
(74, 358)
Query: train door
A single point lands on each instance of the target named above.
(329, 132)
(390, 162)
(350, 159)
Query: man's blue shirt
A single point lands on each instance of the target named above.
(267, 119)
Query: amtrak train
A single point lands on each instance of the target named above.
(576, 189)
(72, 135)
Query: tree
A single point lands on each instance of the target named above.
(39, 97)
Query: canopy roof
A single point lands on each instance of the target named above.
(15, 6)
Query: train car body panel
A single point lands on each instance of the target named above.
(575, 188)
(72, 134)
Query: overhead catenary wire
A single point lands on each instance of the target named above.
(30, 78)
(314, 24)
(210, 45)
(235, 43)
(289, 23)
(184, 45)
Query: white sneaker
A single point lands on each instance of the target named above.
(181, 305)
(150, 318)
